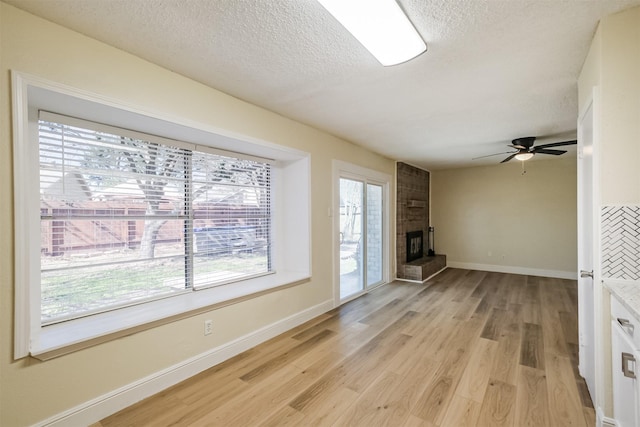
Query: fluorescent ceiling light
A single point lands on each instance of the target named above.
(524, 156)
(381, 26)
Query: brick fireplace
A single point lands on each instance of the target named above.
(412, 215)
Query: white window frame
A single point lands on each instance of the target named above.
(291, 196)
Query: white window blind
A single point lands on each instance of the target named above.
(128, 217)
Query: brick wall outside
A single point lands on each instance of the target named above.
(375, 234)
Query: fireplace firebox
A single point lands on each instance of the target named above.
(415, 245)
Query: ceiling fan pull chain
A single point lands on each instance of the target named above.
(523, 170)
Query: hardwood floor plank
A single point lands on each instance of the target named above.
(441, 337)
(375, 300)
(500, 298)
(356, 367)
(466, 348)
(299, 331)
(147, 414)
(532, 293)
(460, 349)
(518, 288)
(483, 308)
(313, 329)
(433, 404)
(280, 394)
(329, 409)
(467, 309)
(462, 412)
(481, 288)
(414, 421)
(204, 399)
(590, 417)
(468, 283)
(569, 323)
(532, 408)
(286, 416)
(362, 376)
(343, 343)
(426, 300)
(376, 405)
(384, 312)
(493, 326)
(564, 402)
(414, 382)
(532, 346)
(505, 365)
(498, 406)
(554, 340)
(286, 357)
(320, 388)
(417, 327)
(473, 383)
(273, 347)
(232, 412)
(531, 313)
(415, 353)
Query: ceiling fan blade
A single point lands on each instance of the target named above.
(556, 144)
(491, 155)
(544, 151)
(517, 146)
(509, 158)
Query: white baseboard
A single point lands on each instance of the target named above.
(96, 409)
(572, 275)
(602, 421)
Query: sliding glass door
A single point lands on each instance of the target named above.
(361, 235)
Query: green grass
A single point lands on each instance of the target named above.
(77, 291)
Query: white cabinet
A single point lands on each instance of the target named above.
(625, 339)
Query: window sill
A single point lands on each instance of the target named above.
(67, 337)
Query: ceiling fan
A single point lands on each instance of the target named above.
(526, 150)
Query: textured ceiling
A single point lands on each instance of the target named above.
(494, 70)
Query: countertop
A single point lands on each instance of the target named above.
(627, 292)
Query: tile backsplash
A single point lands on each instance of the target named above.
(620, 227)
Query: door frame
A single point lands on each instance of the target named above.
(342, 169)
(600, 321)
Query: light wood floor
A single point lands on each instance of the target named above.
(472, 348)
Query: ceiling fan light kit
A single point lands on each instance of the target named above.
(380, 26)
(523, 155)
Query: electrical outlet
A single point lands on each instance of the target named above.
(208, 327)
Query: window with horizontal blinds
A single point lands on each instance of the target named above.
(128, 217)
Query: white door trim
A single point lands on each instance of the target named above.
(601, 323)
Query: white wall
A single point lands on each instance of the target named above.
(32, 391)
(495, 218)
(620, 109)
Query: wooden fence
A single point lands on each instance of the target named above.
(86, 228)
